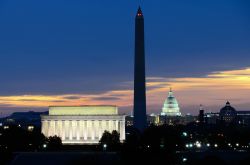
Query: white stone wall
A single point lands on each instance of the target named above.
(82, 129)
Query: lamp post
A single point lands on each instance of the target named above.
(105, 147)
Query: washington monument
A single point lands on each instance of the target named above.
(140, 119)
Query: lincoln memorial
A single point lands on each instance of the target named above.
(82, 124)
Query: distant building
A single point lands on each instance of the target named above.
(243, 117)
(153, 119)
(171, 120)
(24, 119)
(156, 119)
(211, 117)
(170, 106)
(82, 124)
(228, 114)
(129, 120)
(188, 118)
(201, 117)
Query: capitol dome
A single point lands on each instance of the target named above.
(170, 106)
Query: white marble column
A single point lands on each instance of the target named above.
(51, 128)
(81, 130)
(45, 128)
(78, 130)
(96, 124)
(100, 130)
(107, 126)
(88, 129)
(70, 130)
(92, 129)
(56, 129)
(63, 130)
(113, 125)
(110, 126)
(122, 130)
(67, 129)
(116, 125)
(85, 130)
(73, 128)
(60, 128)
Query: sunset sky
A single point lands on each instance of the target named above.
(73, 52)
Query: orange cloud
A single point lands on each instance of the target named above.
(211, 89)
(72, 99)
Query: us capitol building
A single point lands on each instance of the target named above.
(170, 113)
(82, 124)
(170, 106)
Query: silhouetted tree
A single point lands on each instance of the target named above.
(106, 138)
(112, 140)
(115, 137)
(54, 143)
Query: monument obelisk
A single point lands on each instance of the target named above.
(140, 118)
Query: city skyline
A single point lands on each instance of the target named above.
(47, 60)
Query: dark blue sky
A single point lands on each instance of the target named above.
(76, 46)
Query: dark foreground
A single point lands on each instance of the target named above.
(193, 144)
(110, 158)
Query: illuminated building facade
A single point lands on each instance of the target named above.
(170, 106)
(82, 124)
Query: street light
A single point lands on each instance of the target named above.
(162, 145)
(184, 159)
(184, 133)
(198, 145)
(105, 147)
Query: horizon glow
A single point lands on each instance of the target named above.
(211, 90)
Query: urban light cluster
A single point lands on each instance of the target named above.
(198, 144)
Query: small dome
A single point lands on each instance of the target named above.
(228, 109)
(228, 113)
(170, 106)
